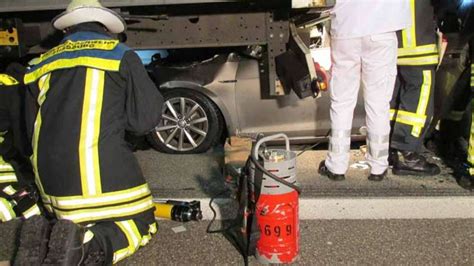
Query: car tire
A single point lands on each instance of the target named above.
(201, 123)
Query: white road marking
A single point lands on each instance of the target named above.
(459, 207)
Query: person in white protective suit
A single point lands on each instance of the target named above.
(363, 51)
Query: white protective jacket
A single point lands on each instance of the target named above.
(359, 18)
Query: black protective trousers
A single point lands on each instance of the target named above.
(17, 196)
(459, 122)
(121, 239)
(412, 107)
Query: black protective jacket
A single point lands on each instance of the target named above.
(417, 45)
(12, 122)
(88, 92)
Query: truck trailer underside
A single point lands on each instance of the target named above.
(267, 28)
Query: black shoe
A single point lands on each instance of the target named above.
(323, 170)
(412, 163)
(392, 157)
(464, 178)
(65, 244)
(466, 182)
(380, 177)
(34, 238)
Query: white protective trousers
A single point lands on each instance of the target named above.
(370, 61)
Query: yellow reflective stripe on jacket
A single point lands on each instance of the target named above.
(419, 61)
(8, 80)
(95, 214)
(104, 199)
(72, 46)
(43, 85)
(407, 118)
(6, 167)
(418, 50)
(6, 211)
(90, 130)
(409, 34)
(9, 190)
(472, 75)
(34, 210)
(8, 177)
(2, 139)
(470, 150)
(92, 62)
(425, 93)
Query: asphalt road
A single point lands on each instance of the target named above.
(323, 242)
(338, 242)
(327, 241)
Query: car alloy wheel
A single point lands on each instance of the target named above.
(184, 124)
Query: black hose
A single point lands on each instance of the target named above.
(314, 145)
(214, 216)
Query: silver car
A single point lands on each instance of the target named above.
(212, 94)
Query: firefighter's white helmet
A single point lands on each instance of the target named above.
(81, 11)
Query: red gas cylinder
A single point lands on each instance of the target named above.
(277, 206)
(277, 217)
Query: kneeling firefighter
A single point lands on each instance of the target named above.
(88, 92)
(17, 195)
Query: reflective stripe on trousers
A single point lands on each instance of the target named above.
(339, 147)
(416, 119)
(340, 141)
(135, 239)
(121, 239)
(470, 158)
(378, 146)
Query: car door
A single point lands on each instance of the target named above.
(302, 119)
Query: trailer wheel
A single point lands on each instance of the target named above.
(190, 123)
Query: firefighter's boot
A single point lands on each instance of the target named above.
(466, 180)
(323, 170)
(65, 244)
(34, 239)
(412, 163)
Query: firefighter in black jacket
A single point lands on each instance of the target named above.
(457, 16)
(89, 90)
(412, 103)
(17, 198)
